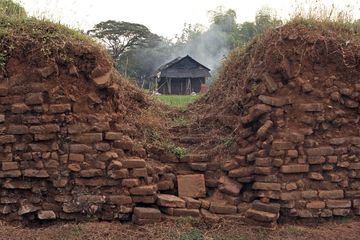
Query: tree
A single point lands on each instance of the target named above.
(11, 9)
(121, 36)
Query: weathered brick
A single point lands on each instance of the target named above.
(80, 148)
(27, 208)
(34, 98)
(46, 215)
(320, 151)
(229, 186)
(295, 168)
(184, 212)
(91, 173)
(266, 186)
(315, 176)
(76, 157)
(275, 101)
(316, 159)
(167, 200)
(130, 182)
(266, 207)
(316, 205)
(282, 145)
(144, 190)
(113, 135)
(354, 166)
(10, 174)
(17, 129)
(119, 199)
(133, 163)
(19, 108)
(35, 173)
(331, 194)
(312, 107)
(261, 216)
(38, 147)
(118, 174)
(242, 172)
(341, 212)
(191, 185)
(5, 166)
(59, 108)
(12, 184)
(147, 213)
(88, 138)
(139, 172)
(338, 203)
(91, 199)
(294, 195)
(222, 208)
(44, 129)
(5, 139)
(270, 83)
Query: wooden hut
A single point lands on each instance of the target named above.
(181, 76)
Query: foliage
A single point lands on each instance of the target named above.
(179, 152)
(119, 37)
(178, 101)
(11, 9)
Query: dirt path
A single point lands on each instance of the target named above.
(183, 229)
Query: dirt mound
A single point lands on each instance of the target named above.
(72, 141)
(281, 125)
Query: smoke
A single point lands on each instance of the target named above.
(208, 48)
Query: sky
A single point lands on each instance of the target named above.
(163, 17)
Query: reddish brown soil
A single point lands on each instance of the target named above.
(183, 228)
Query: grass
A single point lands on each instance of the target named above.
(178, 101)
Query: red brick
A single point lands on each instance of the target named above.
(191, 185)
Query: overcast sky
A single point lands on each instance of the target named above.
(163, 17)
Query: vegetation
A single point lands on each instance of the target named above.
(178, 101)
(11, 9)
(119, 37)
(207, 45)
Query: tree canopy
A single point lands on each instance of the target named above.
(121, 36)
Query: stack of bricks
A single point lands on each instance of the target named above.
(60, 162)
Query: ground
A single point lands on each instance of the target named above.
(179, 101)
(183, 229)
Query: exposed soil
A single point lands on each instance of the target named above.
(183, 228)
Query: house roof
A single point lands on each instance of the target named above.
(182, 67)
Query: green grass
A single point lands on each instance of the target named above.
(179, 101)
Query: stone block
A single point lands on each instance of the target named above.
(133, 163)
(191, 185)
(275, 101)
(6, 139)
(147, 213)
(6, 166)
(282, 145)
(266, 186)
(19, 108)
(266, 207)
(113, 135)
(184, 212)
(59, 108)
(130, 182)
(341, 212)
(331, 194)
(287, 196)
(261, 216)
(222, 208)
(34, 98)
(312, 107)
(196, 204)
(294, 168)
(338, 203)
(27, 208)
(315, 205)
(88, 173)
(170, 201)
(17, 129)
(229, 186)
(144, 190)
(320, 151)
(46, 215)
(88, 138)
(43, 129)
(119, 199)
(118, 174)
(242, 172)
